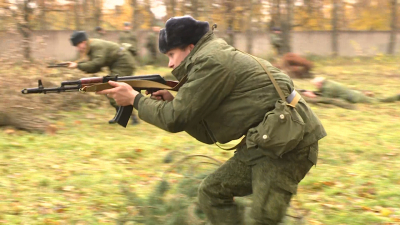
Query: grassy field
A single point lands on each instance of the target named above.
(73, 176)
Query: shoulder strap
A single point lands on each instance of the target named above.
(278, 89)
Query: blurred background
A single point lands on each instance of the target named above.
(62, 163)
(314, 27)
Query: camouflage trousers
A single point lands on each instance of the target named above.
(272, 182)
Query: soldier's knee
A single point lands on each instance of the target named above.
(203, 193)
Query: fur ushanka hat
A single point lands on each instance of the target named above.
(181, 31)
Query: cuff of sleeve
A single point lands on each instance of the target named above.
(136, 101)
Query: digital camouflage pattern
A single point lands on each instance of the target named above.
(276, 41)
(127, 36)
(97, 35)
(227, 93)
(332, 89)
(151, 45)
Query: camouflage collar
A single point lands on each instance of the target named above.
(180, 71)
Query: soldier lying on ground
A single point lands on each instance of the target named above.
(334, 90)
(226, 94)
(295, 66)
(101, 53)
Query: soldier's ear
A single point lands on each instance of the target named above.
(191, 47)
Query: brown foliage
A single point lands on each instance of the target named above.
(295, 65)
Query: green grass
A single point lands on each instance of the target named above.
(74, 176)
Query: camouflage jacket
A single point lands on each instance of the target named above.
(227, 92)
(128, 37)
(151, 43)
(276, 40)
(97, 35)
(103, 53)
(332, 89)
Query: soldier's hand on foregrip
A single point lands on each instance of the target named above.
(72, 65)
(162, 95)
(122, 93)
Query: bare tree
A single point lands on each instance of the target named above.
(249, 35)
(335, 44)
(43, 23)
(22, 12)
(286, 24)
(135, 16)
(392, 38)
(77, 15)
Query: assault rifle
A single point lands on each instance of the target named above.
(64, 64)
(151, 83)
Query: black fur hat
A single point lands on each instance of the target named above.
(181, 31)
(77, 37)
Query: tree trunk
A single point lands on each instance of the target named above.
(335, 44)
(135, 15)
(392, 38)
(25, 30)
(195, 7)
(287, 27)
(76, 14)
(249, 35)
(97, 4)
(84, 17)
(43, 24)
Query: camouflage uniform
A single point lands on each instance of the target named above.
(276, 42)
(103, 53)
(332, 89)
(226, 94)
(97, 35)
(151, 46)
(129, 37)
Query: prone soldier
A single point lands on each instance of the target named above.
(335, 90)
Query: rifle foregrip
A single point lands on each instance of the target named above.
(123, 115)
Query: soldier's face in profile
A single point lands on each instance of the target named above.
(81, 47)
(177, 55)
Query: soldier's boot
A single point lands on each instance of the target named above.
(227, 213)
(134, 119)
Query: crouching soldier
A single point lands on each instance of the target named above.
(226, 94)
(97, 53)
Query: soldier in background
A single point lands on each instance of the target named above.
(276, 40)
(99, 33)
(128, 39)
(97, 53)
(335, 90)
(151, 44)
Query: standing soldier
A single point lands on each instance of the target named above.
(225, 94)
(99, 33)
(276, 40)
(128, 39)
(99, 54)
(151, 44)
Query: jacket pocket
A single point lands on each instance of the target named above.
(280, 131)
